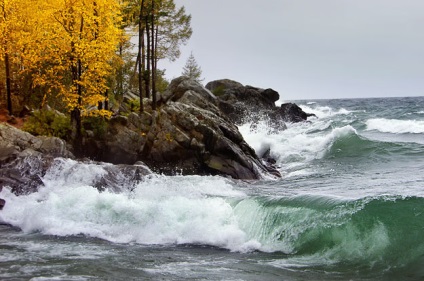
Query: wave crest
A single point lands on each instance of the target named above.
(395, 126)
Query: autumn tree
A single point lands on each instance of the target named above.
(15, 25)
(80, 42)
(6, 23)
(192, 69)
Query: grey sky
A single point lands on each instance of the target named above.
(310, 49)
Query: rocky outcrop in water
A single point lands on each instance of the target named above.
(246, 103)
(192, 132)
(24, 158)
(188, 134)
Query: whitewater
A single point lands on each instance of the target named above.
(349, 206)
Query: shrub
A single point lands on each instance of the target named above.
(48, 123)
(134, 105)
(218, 91)
(97, 124)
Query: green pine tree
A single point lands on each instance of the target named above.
(192, 69)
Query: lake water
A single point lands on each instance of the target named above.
(350, 206)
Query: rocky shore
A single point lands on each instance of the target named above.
(194, 131)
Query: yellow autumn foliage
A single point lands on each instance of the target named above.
(66, 46)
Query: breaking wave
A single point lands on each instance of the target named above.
(308, 230)
(394, 126)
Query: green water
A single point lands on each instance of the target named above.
(350, 206)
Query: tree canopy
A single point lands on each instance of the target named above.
(73, 55)
(63, 47)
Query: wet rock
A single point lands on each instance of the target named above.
(25, 158)
(188, 134)
(24, 175)
(250, 104)
(291, 112)
(122, 177)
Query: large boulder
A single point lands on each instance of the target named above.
(246, 103)
(24, 174)
(238, 102)
(15, 143)
(24, 158)
(291, 112)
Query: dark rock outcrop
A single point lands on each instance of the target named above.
(246, 103)
(23, 175)
(16, 143)
(291, 112)
(24, 158)
(192, 132)
(188, 134)
(121, 177)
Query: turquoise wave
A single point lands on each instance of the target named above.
(384, 232)
(355, 146)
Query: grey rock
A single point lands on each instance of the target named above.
(24, 158)
(223, 84)
(23, 175)
(188, 134)
(291, 112)
(13, 141)
(250, 104)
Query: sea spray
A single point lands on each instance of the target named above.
(323, 111)
(298, 144)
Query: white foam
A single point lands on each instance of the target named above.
(323, 111)
(67, 172)
(161, 210)
(298, 144)
(395, 126)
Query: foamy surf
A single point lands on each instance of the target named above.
(323, 111)
(160, 210)
(395, 126)
(298, 144)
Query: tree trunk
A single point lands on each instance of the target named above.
(121, 73)
(147, 72)
(140, 46)
(143, 62)
(8, 83)
(76, 130)
(106, 100)
(153, 58)
(76, 112)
